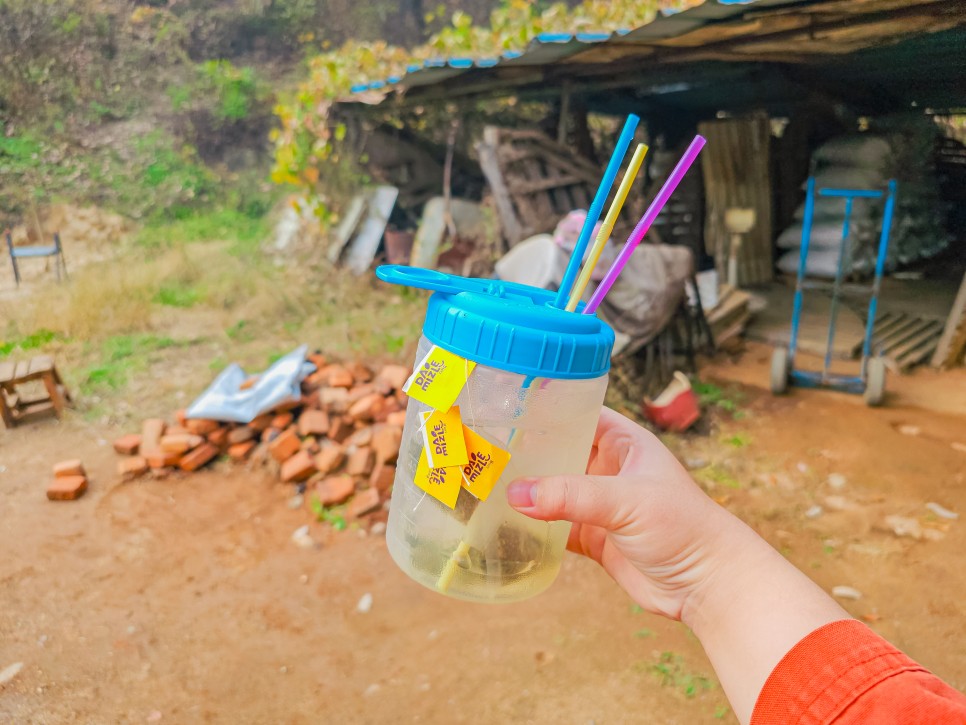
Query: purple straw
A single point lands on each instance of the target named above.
(645, 223)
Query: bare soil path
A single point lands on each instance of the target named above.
(184, 600)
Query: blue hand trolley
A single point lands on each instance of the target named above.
(871, 381)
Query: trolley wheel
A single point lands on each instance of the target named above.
(779, 371)
(875, 381)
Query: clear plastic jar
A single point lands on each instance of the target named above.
(484, 551)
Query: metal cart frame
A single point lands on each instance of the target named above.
(871, 380)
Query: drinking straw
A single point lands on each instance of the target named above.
(596, 207)
(604, 234)
(475, 522)
(645, 223)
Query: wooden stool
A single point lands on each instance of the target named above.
(13, 407)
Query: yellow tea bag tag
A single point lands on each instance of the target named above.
(485, 465)
(443, 438)
(438, 380)
(443, 484)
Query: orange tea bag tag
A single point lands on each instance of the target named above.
(485, 465)
(439, 378)
(443, 438)
(443, 484)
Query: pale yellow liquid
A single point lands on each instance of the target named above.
(486, 551)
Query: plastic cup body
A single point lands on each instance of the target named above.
(485, 551)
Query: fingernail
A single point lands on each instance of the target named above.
(520, 493)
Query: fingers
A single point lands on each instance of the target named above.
(594, 500)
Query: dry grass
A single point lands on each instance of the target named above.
(149, 328)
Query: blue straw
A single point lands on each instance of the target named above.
(593, 214)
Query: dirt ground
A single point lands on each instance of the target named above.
(184, 600)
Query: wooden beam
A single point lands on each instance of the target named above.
(946, 352)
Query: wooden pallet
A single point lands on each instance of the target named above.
(15, 407)
(903, 339)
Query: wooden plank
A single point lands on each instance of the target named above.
(22, 371)
(953, 339)
(490, 165)
(907, 333)
(7, 370)
(546, 184)
(912, 342)
(41, 364)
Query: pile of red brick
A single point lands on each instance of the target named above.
(338, 443)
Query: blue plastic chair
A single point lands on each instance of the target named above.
(53, 250)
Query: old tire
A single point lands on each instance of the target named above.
(875, 381)
(779, 371)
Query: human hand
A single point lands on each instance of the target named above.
(639, 514)
(677, 553)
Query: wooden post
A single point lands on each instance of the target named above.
(949, 348)
(489, 163)
(564, 113)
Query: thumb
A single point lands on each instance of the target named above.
(595, 500)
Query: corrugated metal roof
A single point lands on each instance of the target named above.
(552, 47)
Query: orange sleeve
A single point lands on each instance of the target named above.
(845, 673)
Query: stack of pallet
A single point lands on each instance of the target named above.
(338, 443)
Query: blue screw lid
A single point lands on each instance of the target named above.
(508, 326)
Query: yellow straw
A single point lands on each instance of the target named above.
(608, 226)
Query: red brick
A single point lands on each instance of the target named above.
(395, 375)
(329, 458)
(71, 467)
(338, 377)
(199, 457)
(151, 431)
(366, 408)
(334, 400)
(317, 359)
(248, 383)
(362, 437)
(174, 430)
(398, 418)
(130, 468)
(285, 446)
(311, 444)
(240, 451)
(402, 398)
(161, 459)
(362, 503)
(361, 462)
(201, 426)
(181, 443)
(270, 434)
(382, 477)
(360, 391)
(385, 442)
(340, 429)
(261, 422)
(181, 415)
(382, 387)
(282, 420)
(311, 400)
(286, 406)
(313, 423)
(360, 372)
(240, 435)
(298, 467)
(218, 437)
(128, 445)
(335, 490)
(67, 488)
